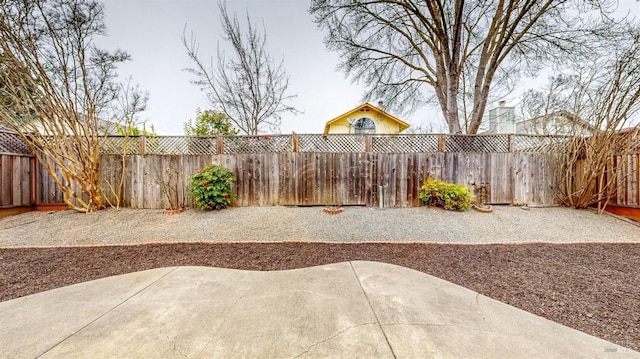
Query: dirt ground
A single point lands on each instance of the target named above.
(592, 287)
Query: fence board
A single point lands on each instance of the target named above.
(26, 180)
(522, 182)
(368, 165)
(621, 183)
(136, 171)
(43, 185)
(6, 198)
(500, 181)
(634, 182)
(16, 172)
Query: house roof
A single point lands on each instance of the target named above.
(402, 125)
(566, 114)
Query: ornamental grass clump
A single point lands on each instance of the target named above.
(211, 187)
(449, 196)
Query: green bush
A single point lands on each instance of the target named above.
(446, 195)
(211, 187)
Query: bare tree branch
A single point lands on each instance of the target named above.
(396, 47)
(249, 87)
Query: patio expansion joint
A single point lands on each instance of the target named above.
(107, 312)
(482, 313)
(372, 310)
(332, 337)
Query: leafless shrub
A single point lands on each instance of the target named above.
(608, 97)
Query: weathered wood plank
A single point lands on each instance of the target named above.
(274, 179)
(151, 171)
(16, 168)
(635, 180)
(43, 185)
(370, 179)
(342, 178)
(306, 162)
(632, 180)
(244, 170)
(500, 181)
(6, 198)
(621, 184)
(25, 181)
(137, 184)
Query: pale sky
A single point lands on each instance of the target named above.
(151, 30)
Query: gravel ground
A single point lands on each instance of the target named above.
(505, 224)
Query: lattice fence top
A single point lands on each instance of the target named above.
(405, 143)
(629, 141)
(257, 144)
(172, 145)
(477, 143)
(331, 143)
(116, 145)
(537, 144)
(12, 143)
(339, 143)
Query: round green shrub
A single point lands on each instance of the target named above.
(449, 196)
(211, 187)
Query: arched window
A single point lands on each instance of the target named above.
(363, 126)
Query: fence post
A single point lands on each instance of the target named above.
(368, 139)
(441, 143)
(294, 142)
(33, 162)
(510, 143)
(142, 145)
(220, 144)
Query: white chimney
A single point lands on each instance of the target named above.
(502, 119)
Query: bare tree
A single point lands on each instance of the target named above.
(455, 48)
(543, 110)
(249, 87)
(126, 109)
(58, 83)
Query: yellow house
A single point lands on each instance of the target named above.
(366, 119)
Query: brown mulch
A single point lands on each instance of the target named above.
(594, 288)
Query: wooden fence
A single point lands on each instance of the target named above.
(336, 178)
(313, 169)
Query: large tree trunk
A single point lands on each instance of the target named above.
(451, 110)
